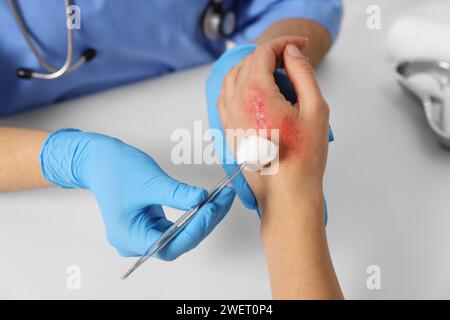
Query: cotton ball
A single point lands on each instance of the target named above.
(256, 152)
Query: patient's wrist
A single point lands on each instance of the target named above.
(297, 202)
(285, 219)
(287, 187)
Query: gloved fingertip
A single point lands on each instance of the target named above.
(198, 196)
(186, 197)
(204, 222)
(196, 230)
(168, 255)
(229, 192)
(209, 209)
(125, 253)
(200, 226)
(223, 201)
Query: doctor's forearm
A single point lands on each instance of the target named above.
(319, 39)
(19, 159)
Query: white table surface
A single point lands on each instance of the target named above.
(387, 186)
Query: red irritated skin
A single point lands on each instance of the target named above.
(289, 133)
(263, 116)
(256, 111)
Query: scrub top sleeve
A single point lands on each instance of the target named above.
(256, 16)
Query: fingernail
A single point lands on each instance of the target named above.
(294, 51)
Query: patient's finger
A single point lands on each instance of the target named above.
(242, 77)
(221, 105)
(229, 85)
(267, 56)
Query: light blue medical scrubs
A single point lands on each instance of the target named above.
(134, 40)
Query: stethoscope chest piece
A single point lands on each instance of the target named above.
(218, 22)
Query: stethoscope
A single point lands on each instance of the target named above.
(216, 22)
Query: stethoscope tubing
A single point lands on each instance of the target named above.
(214, 13)
(54, 73)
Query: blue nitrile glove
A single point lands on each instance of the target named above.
(130, 189)
(219, 70)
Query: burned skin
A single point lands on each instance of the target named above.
(263, 116)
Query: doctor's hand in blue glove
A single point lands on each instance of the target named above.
(130, 189)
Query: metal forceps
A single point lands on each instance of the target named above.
(182, 221)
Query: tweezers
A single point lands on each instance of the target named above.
(183, 221)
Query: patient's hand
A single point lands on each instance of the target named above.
(290, 201)
(251, 99)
